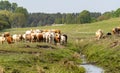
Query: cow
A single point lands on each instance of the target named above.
(17, 38)
(28, 37)
(57, 38)
(9, 40)
(99, 34)
(6, 34)
(2, 39)
(116, 30)
(63, 39)
(39, 37)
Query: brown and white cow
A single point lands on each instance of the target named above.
(116, 30)
(2, 39)
(63, 39)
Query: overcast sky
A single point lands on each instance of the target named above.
(68, 6)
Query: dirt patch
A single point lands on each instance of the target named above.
(6, 51)
(45, 46)
(39, 46)
(15, 52)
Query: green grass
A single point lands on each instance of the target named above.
(18, 58)
(23, 57)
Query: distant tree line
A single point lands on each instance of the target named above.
(13, 16)
(41, 19)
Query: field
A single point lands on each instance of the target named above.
(24, 57)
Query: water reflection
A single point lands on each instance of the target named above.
(89, 67)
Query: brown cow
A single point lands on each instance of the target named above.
(57, 38)
(39, 37)
(9, 40)
(28, 37)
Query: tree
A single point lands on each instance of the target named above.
(58, 18)
(6, 17)
(13, 7)
(18, 20)
(22, 10)
(3, 23)
(117, 13)
(5, 5)
(70, 18)
(94, 16)
(84, 17)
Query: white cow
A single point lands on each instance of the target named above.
(2, 39)
(17, 38)
(99, 34)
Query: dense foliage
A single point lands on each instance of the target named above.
(12, 16)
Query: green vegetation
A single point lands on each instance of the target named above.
(23, 57)
(13, 16)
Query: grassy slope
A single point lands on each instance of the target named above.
(22, 59)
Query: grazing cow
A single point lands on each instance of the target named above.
(52, 36)
(17, 38)
(116, 30)
(9, 40)
(33, 37)
(47, 37)
(28, 37)
(63, 39)
(2, 39)
(57, 38)
(6, 34)
(99, 34)
(39, 37)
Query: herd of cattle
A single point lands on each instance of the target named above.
(52, 36)
(99, 33)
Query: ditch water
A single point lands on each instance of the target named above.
(89, 67)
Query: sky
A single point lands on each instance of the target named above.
(68, 6)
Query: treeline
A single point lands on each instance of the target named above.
(40, 19)
(13, 16)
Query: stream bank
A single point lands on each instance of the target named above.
(89, 67)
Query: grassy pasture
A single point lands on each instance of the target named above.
(25, 57)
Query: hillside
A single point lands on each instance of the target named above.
(25, 57)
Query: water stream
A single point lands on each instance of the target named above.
(89, 67)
